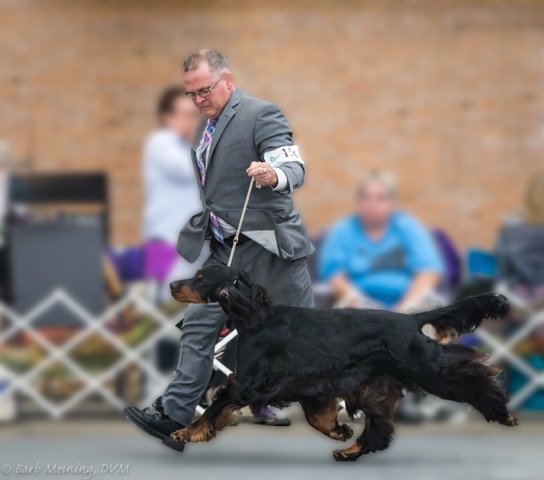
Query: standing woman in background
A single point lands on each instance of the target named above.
(170, 189)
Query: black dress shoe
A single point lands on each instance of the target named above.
(156, 424)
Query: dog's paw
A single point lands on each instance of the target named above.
(342, 456)
(194, 434)
(342, 432)
(182, 435)
(349, 454)
(347, 432)
(511, 421)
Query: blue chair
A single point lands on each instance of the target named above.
(480, 264)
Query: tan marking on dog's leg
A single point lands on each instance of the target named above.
(324, 420)
(203, 430)
(351, 453)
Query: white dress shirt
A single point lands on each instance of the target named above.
(171, 191)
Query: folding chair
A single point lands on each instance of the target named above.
(521, 255)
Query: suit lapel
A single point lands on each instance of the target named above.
(224, 119)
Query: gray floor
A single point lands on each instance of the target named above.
(470, 451)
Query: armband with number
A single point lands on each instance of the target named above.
(282, 155)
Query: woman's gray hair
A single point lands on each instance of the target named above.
(217, 62)
(383, 178)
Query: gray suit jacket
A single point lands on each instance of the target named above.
(247, 128)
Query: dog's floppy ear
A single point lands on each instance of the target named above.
(244, 277)
(259, 295)
(244, 302)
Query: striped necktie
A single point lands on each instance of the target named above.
(201, 153)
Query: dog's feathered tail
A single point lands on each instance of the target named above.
(452, 371)
(465, 315)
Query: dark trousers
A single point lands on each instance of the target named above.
(287, 281)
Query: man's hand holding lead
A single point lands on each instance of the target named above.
(264, 174)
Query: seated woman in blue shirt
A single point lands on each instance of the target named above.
(380, 257)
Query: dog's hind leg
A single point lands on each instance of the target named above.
(461, 376)
(475, 385)
(322, 415)
(379, 401)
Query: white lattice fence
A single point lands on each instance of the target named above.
(502, 351)
(91, 325)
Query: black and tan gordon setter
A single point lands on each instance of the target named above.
(365, 357)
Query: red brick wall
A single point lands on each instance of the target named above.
(448, 95)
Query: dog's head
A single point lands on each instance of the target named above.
(206, 286)
(244, 301)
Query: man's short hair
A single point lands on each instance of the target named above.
(167, 100)
(217, 62)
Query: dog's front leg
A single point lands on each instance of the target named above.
(322, 415)
(206, 427)
(215, 418)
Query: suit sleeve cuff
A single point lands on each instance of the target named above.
(283, 184)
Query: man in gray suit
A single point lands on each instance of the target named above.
(243, 137)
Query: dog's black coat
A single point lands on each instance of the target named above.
(366, 357)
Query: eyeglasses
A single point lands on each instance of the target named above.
(204, 92)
